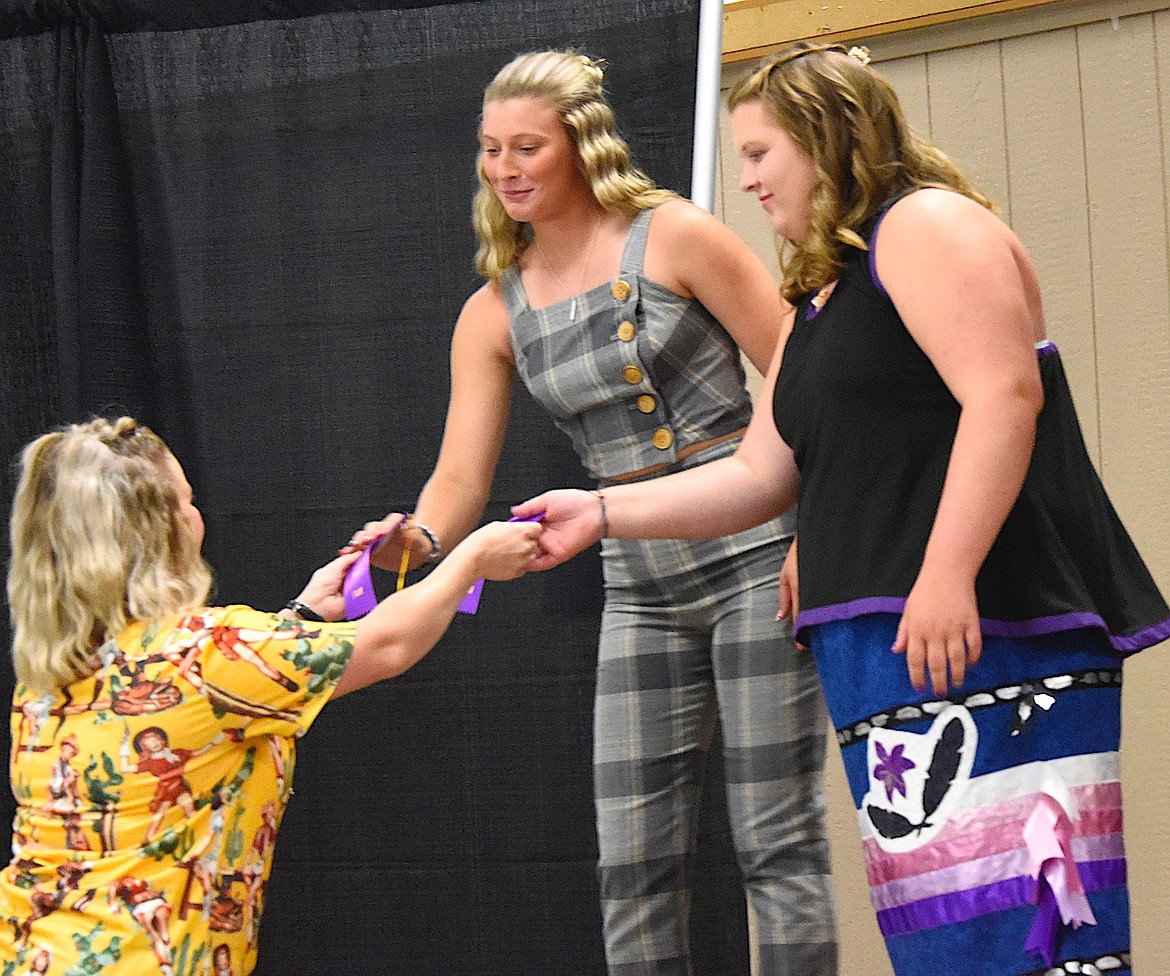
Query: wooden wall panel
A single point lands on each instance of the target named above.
(908, 76)
(1046, 177)
(1125, 116)
(1127, 224)
(966, 115)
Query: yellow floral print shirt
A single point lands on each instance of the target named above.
(149, 795)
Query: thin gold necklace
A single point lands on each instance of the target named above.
(584, 270)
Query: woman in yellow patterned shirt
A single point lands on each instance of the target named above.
(153, 737)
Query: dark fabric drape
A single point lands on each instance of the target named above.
(248, 224)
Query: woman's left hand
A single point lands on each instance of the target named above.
(939, 632)
(789, 587)
(323, 593)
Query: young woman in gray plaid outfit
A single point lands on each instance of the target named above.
(621, 307)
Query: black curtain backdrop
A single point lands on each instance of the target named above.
(248, 224)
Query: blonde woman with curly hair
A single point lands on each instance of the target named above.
(623, 308)
(145, 722)
(965, 586)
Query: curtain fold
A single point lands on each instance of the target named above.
(103, 339)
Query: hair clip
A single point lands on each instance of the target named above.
(859, 53)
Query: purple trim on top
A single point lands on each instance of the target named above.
(1045, 348)
(1033, 627)
(877, 282)
(847, 611)
(1143, 638)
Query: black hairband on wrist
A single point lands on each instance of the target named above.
(304, 611)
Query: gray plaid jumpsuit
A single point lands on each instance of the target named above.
(689, 634)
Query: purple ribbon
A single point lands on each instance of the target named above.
(1045, 925)
(470, 602)
(358, 588)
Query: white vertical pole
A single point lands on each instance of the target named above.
(708, 74)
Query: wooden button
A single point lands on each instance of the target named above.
(663, 438)
(626, 331)
(632, 374)
(621, 290)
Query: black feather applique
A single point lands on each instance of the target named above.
(944, 763)
(940, 776)
(889, 824)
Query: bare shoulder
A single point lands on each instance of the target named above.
(935, 215)
(486, 302)
(942, 255)
(485, 321)
(681, 218)
(688, 246)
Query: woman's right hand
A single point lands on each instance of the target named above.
(504, 550)
(389, 555)
(572, 522)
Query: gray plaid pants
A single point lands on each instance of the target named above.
(689, 634)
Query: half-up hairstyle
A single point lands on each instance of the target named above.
(848, 119)
(572, 84)
(98, 541)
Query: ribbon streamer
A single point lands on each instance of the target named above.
(358, 588)
(1060, 894)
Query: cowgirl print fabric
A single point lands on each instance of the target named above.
(149, 795)
(990, 818)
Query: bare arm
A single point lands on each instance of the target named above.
(967, 292)
(482, 372)
(729, 495)
(695, 254)
(403, 628)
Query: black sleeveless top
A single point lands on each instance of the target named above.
(871, 424)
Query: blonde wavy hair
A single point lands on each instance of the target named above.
(572, 84)
(98, 540)
(848, 119)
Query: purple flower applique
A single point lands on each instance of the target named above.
(889, 770)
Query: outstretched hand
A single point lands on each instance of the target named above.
(505, 550)
(389, 556)
(939, 632)
(572, 523)
(323, 593)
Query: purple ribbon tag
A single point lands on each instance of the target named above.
(358, 588)
(470, 602)
(1045, 924)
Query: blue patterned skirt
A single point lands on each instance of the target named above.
(990, 819)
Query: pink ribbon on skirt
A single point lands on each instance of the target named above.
(1060, 894)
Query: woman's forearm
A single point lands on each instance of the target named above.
(718, 498)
